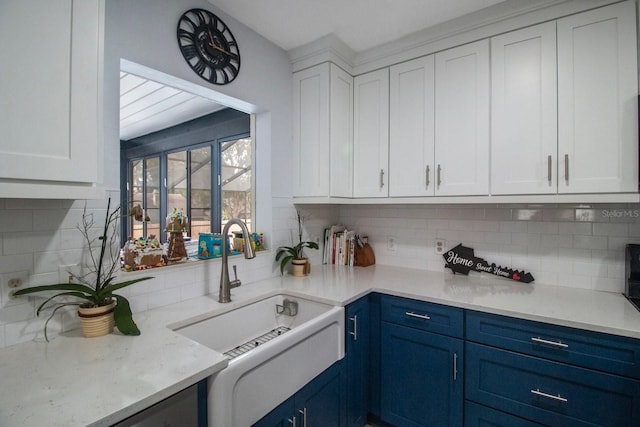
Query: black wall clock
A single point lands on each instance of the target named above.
(208, 46)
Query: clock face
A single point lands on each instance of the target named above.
(208, 46)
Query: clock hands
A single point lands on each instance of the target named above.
(213, 44)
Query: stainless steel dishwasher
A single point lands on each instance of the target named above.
(183, 409)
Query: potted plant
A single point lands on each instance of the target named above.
(99, 307)
(295, 254)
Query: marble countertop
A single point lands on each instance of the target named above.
(73, 381)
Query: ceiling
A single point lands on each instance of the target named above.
(361, 24)
(147, 106)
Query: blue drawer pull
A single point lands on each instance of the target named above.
(551, 343)
(419, 316)
(559, 398)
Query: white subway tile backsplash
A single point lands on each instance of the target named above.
(538, 227)
(492, 226)
(13, 221)
(557, 214)
(583, 228)
(607, 284)
(30, 242)
(611, 229)
(590, 242)
(579, 246)
(527, 214)
(160, 298)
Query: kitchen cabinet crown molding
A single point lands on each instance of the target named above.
(506, 16)
(325, 49)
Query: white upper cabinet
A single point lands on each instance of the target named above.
(323, 105)
(49, 109)
(598, 101)
(462, 120)
(371, 134)
(341, 115)
(311, 131)
(411, 128)
(524, 111)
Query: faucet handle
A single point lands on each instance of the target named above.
(235, 282)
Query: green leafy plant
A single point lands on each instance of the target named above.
(285, 254)
(96, 288)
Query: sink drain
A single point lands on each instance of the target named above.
(255, 342)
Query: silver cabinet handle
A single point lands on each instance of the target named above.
(549, 169)
(303, 412)
(559, 398)
(439, 172)
(292, 421)
(381, 178)
(354, 319)
(551, 343)
(426, 186)
(566, 168)
(419, 316)
(455, 366)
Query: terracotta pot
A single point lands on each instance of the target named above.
(301, 267)
(97, 321)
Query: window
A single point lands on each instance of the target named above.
(183, 167)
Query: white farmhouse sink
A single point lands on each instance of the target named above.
(290, 351)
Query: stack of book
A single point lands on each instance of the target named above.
(339, 245)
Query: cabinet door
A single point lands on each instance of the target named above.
(322, 132)
(371, 134)
(421, 377)
(357, 358)
(411, 130)
(281, 416)
(311, 131)
(598, 101)
(524, 111)
(321, 403)
(462, 120)
(49, 108)
(341, 133)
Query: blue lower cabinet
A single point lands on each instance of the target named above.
(421, 377)
(481, 416)
(320, 403)
(549, 392)
(357, 360)
(281, 416)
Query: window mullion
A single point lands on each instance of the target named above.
(216, 190)
(188, 195)
(164, 196)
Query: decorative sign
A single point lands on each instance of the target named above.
(462, 260)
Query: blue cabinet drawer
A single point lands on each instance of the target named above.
(549, 392)
(423, 315)
(482, 416)
(608, 353)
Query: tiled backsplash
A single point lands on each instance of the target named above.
(38, 236)
(578, 246)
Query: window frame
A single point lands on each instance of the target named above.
(227, 125)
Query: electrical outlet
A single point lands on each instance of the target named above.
(391, 243)
(440, 245)
(11, 282)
